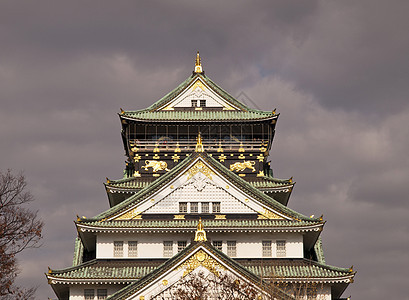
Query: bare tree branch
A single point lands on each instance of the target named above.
(20, 228)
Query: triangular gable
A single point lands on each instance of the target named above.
(196, 91)
(198, 257)
(200, 182)
(132, 207)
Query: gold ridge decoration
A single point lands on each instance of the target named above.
(201, 258)
(200, 235)
(199, 145)
(175, 158)
(155, 165)
(198, 64)
(241, 166)
(267, 214)
(199, 167)
(241, 156)
(156, 156)
(129, 215)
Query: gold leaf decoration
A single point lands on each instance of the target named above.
(200, 167)
(201, 258)
(129, 215)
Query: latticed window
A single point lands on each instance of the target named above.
(181, 245)
(218, 245)
(267, 252)
(216, 207)
(231, 248)
(132, 248)
(194, 103)
(167, 248)
(118, 248)
(102, 294)
(183, 207)
(203, 103)
(194, 207)
(205, 207)
(281, 248)
(89, 294)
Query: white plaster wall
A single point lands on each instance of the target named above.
(249, 245)
(77, 290)
(210, 193)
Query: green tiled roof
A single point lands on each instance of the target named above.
(192, 224)
(151, 114)
(169, 264)
(108, 269)
(218, 90)
(233, 178)
(319, 251)
(134, 269)
(78, 252)
(201, 115)
(139, 183)
(292, 268)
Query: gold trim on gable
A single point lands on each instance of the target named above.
(130, 215)
(201, 258)
(267, 214)
(199, 167)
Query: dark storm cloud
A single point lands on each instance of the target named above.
(336, 70)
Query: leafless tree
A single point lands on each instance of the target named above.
(199, 286)
(20, 228)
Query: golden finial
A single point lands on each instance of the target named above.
(200, 235)
(291, 180)
(274, 111)
(199, 145)
(122, 111)
(108, 181)
(49, 270)
(198, 64)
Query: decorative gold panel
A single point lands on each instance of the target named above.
(201, 258)
(155, 165)
(267, 214)
(200, 167)
(241, 166)
(129, 215)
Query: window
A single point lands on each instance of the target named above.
(194, 207)
(194, 103)
(205, 207)
(183, 207)
(89, 294)
(203, 103)
(102, 294)
(218, 245)
(167, 249)
(216, 207)
(132, 248)
(280, 250)
(118, 248)
(267, 249)
(181, 245)
(231, 248)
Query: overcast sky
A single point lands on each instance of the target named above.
(337, 71)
